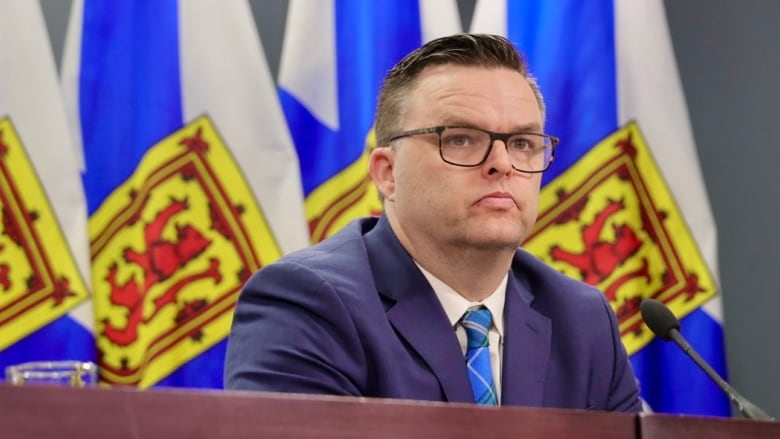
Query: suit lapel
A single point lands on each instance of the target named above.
(434, 340)
(415, 312)
(527, 338)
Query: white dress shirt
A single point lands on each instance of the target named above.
(456, 305)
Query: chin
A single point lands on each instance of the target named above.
(495, 232)
(486, 239)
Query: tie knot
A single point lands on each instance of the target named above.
(477, 322)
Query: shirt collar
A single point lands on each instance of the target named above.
(455, 305)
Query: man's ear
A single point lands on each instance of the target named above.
(380, 166)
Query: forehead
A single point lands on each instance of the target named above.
(492, 97)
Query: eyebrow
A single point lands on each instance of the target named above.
(526, 128)
(531, 127)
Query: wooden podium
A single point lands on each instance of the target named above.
(689, 427)
(27, 412)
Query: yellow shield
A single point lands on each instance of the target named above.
(171, 248)
(39, 278)
(610, 220)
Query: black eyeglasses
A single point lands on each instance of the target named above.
(469, 147)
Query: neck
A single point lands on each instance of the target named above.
(473, 272)
(475, 275)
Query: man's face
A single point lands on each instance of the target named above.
(487, 206)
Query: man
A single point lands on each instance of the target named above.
(386, 308)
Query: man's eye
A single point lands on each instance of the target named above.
(520, 143)
(458, 140)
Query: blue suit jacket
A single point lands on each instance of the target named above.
(354, 315)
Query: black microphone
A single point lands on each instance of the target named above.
(664, 324)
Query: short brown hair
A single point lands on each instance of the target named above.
(461, 49)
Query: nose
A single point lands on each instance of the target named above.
(498, 161)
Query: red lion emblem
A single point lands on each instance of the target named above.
(600, 258)
(159, 260)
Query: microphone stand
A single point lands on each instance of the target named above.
(747, 408)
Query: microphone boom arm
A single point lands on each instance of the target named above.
(747, 408)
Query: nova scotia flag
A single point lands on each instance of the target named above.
(609, 77)
(190, 176)
(45, 309)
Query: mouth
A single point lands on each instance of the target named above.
(497, 201)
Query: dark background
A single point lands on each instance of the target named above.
(728, 54)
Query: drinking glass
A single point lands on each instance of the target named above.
(63, 373)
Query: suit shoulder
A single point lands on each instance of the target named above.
(347, 243)
(341, 256)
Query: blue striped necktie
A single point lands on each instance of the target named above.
(477, 321)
